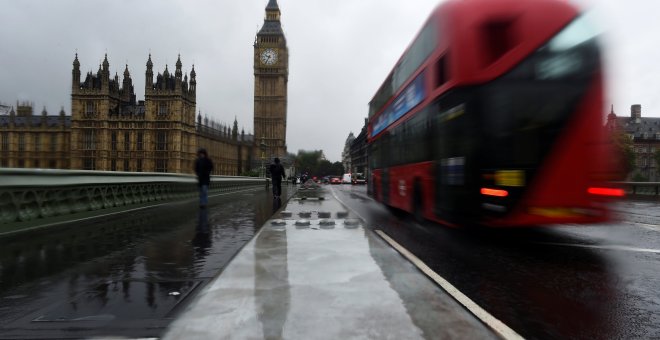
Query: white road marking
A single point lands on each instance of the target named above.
(496, 325)
(493, 323)
(364, 220)
(604, 247)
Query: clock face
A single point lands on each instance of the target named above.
(269, 57)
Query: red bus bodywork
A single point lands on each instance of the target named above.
(479, 42)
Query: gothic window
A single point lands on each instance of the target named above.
(52, 164)
(162, 108)
(113, 165)
(127, 141)
(5, 141)
(37, 142)
(161, 165)
(89, 163)
(139, 165)
(21, 141)
(53, 142)
(89, 107)
(21, 163)
(161, 141)
(37, 164)
(140, 141)
(126, 165)
(88, 140)
(113, 141)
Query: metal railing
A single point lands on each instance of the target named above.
(642, 190)
(30, 195)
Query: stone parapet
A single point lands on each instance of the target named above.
(30, 197)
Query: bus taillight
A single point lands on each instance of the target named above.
(494, 192)
(606, 192)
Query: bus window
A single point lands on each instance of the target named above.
(441, 71)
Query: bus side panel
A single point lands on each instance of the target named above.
(402, 187)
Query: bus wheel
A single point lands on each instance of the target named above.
(418, 203)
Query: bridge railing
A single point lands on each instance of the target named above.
(642, 190)
(30, 195)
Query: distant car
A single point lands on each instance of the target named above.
(346, 179)
(335, 180)
(359, 179)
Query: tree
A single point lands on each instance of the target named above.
(638, 177)
(314, 163)
(308, 161)
(624, 147)
(337, 168)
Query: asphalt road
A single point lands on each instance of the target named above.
(558, 282)
(131, 274)
(127, 275)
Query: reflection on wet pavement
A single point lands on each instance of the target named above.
(533, 280)
(322, 280)
(132, 270)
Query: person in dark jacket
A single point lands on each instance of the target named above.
(277, 174)
(203, 169)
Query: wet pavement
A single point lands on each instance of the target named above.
(124, 275)
(580, 282)
(315, 273)
(131, 275)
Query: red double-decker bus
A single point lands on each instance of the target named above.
(494, 115)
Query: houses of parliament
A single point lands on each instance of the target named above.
(109, 130)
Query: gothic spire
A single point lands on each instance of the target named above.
(178, 72)
(106, 64)
(272, 6)
(76, 63)
(272, 24)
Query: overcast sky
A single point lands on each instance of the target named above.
(340, 52)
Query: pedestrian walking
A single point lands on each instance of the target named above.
(277, 174)
(203, 169)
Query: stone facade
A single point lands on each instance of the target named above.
(359, 159)
(645, 134)
(34, 141)
(109, 130)
(346, 160)
(271, 74)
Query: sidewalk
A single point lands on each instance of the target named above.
(297, 281)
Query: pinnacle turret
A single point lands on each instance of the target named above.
(106, 64)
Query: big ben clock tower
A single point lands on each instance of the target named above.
(271, 75)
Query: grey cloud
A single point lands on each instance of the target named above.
(340, 53)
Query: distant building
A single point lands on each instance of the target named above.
(346, 154)
(645, 134)
(359, 152)
(109, 130)
(271, 77)
(30, 141)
